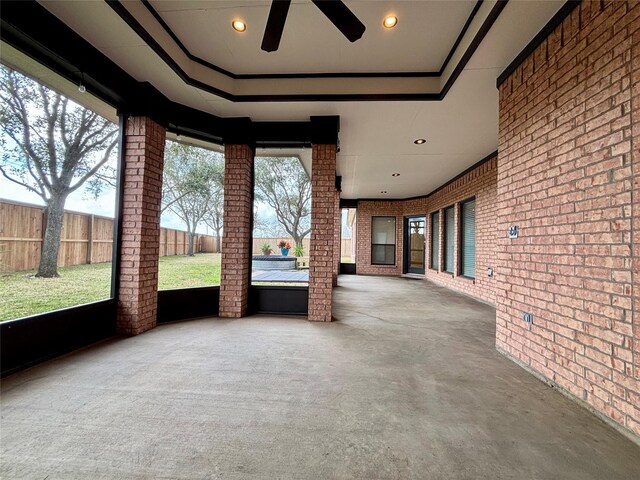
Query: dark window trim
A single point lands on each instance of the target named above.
(395, 250)
(460, 235)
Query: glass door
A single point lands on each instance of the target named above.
(414, 241)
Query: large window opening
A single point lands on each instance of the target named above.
(191, 216)
(281, 222)
(383, 240)
(58, 167)
(348, 242)
(468, 239)
(435, 240)
(449, 239)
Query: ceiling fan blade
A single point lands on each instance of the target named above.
(275, 25)
(342, 18)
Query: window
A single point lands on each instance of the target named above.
(435, 240)
(383, 240)
(449, 238)
(281, 222)
(56, 249)
(192, 215)
(468, 239)
(348, 245)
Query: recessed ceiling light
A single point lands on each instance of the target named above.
(395, 174)
(239, 25)
(419, 141)
(390, 21)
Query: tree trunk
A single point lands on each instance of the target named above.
(48, 267)
(217, 240)
(190, 236)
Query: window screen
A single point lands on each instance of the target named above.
(383, 240)
(468, 239)
(435, 240)
(449, 238)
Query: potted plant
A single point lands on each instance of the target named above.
(266, 249)
(284, 247)
(299, 250)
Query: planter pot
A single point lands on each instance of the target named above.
(284, 251)
(268, 252)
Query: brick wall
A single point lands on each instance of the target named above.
(235, 275)
(366, 210)
(321, 250)
(479, 183)
(565, 176)
(142, 176)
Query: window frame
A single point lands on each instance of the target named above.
(395, 240)
(461, 238)
(445, 244)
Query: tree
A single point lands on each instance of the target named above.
(214, 218)
(51, 147)
(192, 185)
(283, 184)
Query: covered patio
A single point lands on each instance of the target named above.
(406, 383)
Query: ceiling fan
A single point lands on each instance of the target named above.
(335, 10)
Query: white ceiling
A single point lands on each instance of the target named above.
(376, 137)
(311, 43)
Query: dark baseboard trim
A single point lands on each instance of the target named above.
(28, 341)
(185, 303)
(278, 300)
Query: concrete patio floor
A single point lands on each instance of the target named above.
(405, 384)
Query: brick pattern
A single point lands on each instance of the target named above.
(337, 249)
(235, 276)
(366, 210)
(635, 206)
(565, 176)
(142, 176)
(479, 183)
(322, 245)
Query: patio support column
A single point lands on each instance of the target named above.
(236, 238)
(143, 160)
(322, 247)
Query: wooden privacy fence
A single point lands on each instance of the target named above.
(85, 238)
(89, 239)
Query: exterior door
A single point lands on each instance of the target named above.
(414, 241)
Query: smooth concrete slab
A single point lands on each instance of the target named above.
(406, 384)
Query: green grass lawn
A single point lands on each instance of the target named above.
(22, 294)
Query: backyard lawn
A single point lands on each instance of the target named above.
(21, 294)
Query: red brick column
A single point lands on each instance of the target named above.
(140, 239)
(236, 239)
(321, 250)
(337, 251)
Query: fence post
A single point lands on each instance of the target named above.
(90, 221)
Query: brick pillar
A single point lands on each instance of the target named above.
(321, 250)
(140, 238)
(337, 251)
(236, 239)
